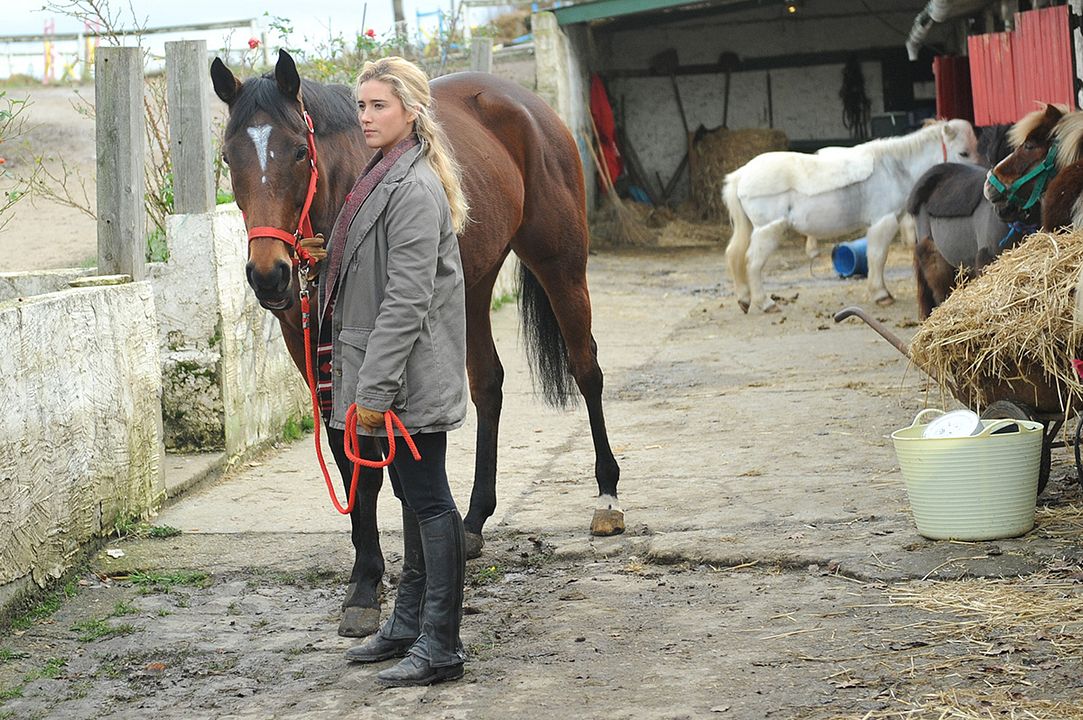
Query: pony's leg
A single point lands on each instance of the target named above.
(880, 236)
(764, 242)
(563, 277)
(812, 247)
(361, 610)
(737, 261)
(486, 377)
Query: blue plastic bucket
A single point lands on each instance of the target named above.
(849, 258)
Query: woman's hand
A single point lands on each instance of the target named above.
(315, 248)
(369, 419)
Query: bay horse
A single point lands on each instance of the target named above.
(957, 228)
(524, 182)
(831, 193)
(1047, 163)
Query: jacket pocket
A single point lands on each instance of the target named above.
(354, 343)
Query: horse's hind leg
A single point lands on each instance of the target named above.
(737, 261)
(486, 376)
(764, 241)
(812, 247)
(361, 610)
(880, 235)
(563, 277)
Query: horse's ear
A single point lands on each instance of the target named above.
(948, 131)
(226, 84)
(289, 82)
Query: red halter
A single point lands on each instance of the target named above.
(304, 223)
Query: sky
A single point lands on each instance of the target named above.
(316, 22)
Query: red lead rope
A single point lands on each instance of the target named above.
(351, 442)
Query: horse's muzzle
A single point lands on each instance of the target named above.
(272, 287)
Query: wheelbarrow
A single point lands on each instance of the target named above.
(1030, 396)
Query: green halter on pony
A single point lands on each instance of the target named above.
(1043, 171)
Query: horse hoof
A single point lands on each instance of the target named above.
(359, 621)
(885, 301)
(474, 543)
(349, 594)
(772, 309)
(743, 304)
(607, 522)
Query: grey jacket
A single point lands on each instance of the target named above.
(399, 319)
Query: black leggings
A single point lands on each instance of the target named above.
(421, 486)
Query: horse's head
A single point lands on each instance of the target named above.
(958, 141)
(266, 145)
(993, 144)
(1016, 183)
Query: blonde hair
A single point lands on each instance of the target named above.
(411, 86)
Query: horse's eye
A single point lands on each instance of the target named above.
(225, 159)
(964, 154)
(302, 152)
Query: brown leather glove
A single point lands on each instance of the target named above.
(315, 248)
(369, 419)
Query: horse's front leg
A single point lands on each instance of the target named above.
(880, 235)
(361, 609)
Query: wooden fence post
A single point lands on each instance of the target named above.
(481, 54)
(190, 149)
(120, 140)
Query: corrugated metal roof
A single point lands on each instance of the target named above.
(603, 9)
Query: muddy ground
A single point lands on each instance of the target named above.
(770, 568)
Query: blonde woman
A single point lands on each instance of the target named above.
(394, 297)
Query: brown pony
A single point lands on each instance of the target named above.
(1048, 144)
(524, 181)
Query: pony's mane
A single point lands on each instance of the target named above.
(1028, 124)
(331, 107)
(1069, 134)
(904, 146)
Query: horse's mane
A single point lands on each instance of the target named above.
(1069, 134)
(1029, 123)
(903, 146)
(330, 106)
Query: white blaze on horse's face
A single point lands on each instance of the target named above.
(260, 135)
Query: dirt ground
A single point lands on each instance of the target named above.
(770, 568)
(56, 131)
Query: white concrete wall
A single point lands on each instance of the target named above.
(80, 384)
(228, 380)
(38, 282)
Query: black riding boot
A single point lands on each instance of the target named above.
(438, 654)
(402, 629)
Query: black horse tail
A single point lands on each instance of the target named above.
(545, 348)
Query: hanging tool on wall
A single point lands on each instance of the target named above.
(728, 63)
(667, 63)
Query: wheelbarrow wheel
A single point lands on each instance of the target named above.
(1021, 411)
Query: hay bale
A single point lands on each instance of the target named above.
(721, 151)
(1011, 325)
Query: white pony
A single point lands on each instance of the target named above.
(834, 192)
